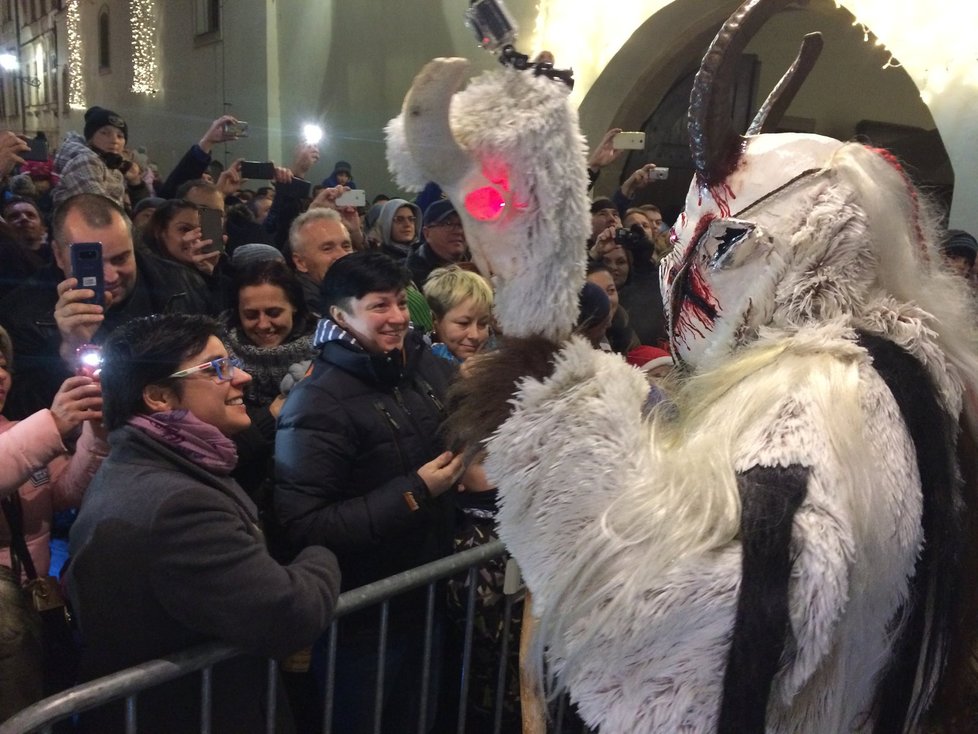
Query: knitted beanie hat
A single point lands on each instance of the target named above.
(98, 117)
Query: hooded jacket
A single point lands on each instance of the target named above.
(397, 250)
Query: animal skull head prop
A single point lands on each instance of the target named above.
(508, 152)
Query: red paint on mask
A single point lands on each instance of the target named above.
(698, 308)
(911, 193)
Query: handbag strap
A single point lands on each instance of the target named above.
(14, 512)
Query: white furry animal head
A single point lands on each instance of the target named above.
(508, 152)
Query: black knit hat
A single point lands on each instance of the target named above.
(99, 117)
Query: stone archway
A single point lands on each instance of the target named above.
(849, 85)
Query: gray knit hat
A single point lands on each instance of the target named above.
(254, 252)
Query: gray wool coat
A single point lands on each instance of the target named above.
(166, 555)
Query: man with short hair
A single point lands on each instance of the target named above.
(444, 241)
(202, 193)
(48, 317)
(317, 239)
(24, 215)
(604, 214)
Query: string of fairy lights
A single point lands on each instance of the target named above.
(76, 80)
(145, 67)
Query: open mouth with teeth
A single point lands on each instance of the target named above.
(235, 401)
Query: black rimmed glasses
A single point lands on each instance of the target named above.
(223, 368)
(448, 224)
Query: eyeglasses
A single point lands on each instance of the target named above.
(223, 367)
(453, 224)
(405, 220)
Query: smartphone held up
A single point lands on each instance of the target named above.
(629, 141)
(88, 360)
(234, 130)
(212, 228)
(86, 268)
(353, 197)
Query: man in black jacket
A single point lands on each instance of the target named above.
(47, 317)
(360, 469)
(444, 242)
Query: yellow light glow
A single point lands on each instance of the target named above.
(933, 42)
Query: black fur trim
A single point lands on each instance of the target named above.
(933, 599)
(770, 497)
(479, 402)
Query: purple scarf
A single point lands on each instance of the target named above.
(196, 441)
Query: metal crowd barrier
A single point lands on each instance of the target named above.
(127, 684)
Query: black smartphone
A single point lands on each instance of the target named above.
(212, 228)
(297, 188)
(38, 151)
(86, 267)
(258, 169)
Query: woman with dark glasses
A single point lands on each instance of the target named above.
(167, 551)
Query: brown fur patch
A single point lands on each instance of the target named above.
(479, 402)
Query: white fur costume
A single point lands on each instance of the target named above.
(628, 527)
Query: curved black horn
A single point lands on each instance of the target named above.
(713, 141)
(781, 97)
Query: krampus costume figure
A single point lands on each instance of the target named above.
(776, 548)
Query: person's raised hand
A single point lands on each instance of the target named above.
(605, 153)
(202, 255)
(326, 198)
(230, 180)
(440, 474)
(283, 175)
(78, 399)
(640, 178)
(603, 244)
(11, 146)
(77, 321)
(215, 133)
(306, 156)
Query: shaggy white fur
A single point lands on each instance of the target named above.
(520, 136)
(626, 528)
(637, 618)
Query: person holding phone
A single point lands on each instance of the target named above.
(167, 552)
(38, 477)
(175, 233)
(49, 316)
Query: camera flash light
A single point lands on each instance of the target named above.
(312, 133)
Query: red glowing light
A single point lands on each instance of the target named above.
(485, 204)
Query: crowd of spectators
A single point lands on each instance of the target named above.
(263, 429)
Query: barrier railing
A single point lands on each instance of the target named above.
(127, 684)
